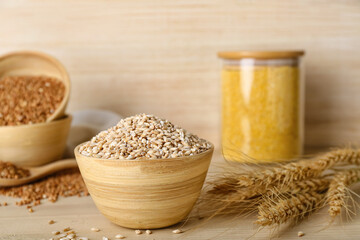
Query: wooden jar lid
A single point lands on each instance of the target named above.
(261, 54)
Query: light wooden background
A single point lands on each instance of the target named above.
(160, 56)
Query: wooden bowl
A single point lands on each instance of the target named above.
(26, 63)
(36, 144)
(145, 194)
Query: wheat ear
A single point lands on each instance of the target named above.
(296, 207)
(336, 194)
(297, 171)
(316, 185)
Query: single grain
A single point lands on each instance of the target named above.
(177, 231)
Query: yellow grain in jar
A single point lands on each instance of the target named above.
(262, 106)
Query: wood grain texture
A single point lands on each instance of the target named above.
(145, 194)
(160, 56)
(81, 214)
(34, 145)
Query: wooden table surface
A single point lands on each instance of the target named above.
(16, 223)
(159, 56)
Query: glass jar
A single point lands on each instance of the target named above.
(262, 105)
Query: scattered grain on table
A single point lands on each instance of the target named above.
(177, 231)
(65, 183)
(301, 234)
(119, 236)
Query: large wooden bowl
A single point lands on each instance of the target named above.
(36, 144)
(26, 63)
(145, 194)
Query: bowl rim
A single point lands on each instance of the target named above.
(58, 65)
(65, 118)
(147, 160)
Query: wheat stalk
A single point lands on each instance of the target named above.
(336, 194)
(316, 184)
(296, 207)
(287, 192)
(297, 171)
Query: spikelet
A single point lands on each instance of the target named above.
(297, 171)
(295, 207)
(338, 156)
(318, 185)
(229, 187)
(336, 195)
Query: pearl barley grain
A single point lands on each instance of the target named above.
(177, 231)
(119, 236)
(144, 136)
(301, 234)
(138, 232)
(71, 235)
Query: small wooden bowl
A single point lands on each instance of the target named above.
(26, 63)
(36, 144)
(145, 194)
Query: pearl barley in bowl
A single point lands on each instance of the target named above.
(144, 172)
